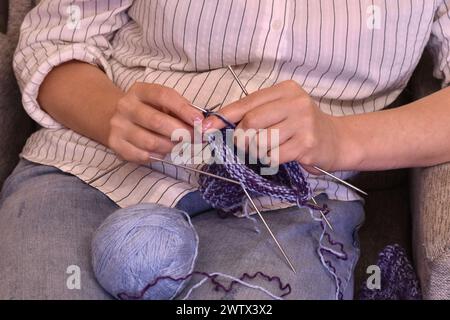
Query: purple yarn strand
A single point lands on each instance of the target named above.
(213, 278)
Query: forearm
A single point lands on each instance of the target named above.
(415, 135)
(81, 97)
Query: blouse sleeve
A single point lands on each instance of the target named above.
(57, 31)
(440, 42)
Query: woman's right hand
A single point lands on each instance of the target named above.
(144, 120)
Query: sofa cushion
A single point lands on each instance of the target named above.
(431, 207)
(431, 230)
(15, 125)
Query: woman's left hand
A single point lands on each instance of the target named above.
(306, 134)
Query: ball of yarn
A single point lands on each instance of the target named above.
(142, 244)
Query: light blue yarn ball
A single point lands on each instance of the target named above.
(136, 245)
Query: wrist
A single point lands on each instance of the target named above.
(110, 102)
(350, 149)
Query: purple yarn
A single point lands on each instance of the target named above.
(398, 279)
(289, 184)
(213, 278)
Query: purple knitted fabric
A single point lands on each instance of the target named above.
(398, 279)
(289, 184)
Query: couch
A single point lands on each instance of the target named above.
(408, 207)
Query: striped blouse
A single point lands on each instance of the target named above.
(351, 56)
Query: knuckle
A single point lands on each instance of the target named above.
(161, 93)
(291, 85)
(150, 144)
(137, 86)
(307, 160)
(124, 105)
(157, 122)
(309, 142)
(302, 101)
(115, 123)
(248, 121)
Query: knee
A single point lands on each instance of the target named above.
(143, 252)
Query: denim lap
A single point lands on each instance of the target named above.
(47, 219)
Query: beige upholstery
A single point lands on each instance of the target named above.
(431, 216)
(15, 125)
(430, 190)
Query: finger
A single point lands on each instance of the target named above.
(169, 100)
(156, 121)
(273, 116)
(236, 110)
(266, 115)
(312, 170)
(270, 138)
(280, 133)
(148, 141)
(284, 153)
(131, 153)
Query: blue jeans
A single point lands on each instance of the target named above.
(47, 219)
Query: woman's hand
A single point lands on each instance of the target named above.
(306, 134)
(144, 120)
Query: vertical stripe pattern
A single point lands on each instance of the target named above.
(351, 56)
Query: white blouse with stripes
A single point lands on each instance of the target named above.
(351, 56)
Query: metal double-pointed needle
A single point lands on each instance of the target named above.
(269, 230)
(246, 194)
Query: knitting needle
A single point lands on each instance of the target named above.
(246, 193)
(235, 76)
(315, 167)
(168, 162)
(340, 180)
(195, 170)
(321, 212)
(268, 229)
(204, 111)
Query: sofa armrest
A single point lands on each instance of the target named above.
(15, 125)
(431, 229)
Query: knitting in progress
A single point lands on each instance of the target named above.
(149, 252)
(288, 184)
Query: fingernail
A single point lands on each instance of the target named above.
(155, 155)
(197, 120)
(206, 124)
